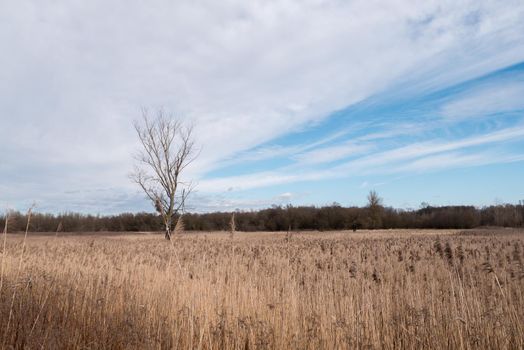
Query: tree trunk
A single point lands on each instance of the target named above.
(168, 232)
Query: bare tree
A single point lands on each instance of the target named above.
(373, 199)
(168, 147)
(375, 209)
(232, 226)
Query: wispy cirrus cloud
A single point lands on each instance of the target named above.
(331, 154)
(431, 147)
(419, 157)
(455, 159)
(487, 100)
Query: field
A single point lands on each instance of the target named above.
(332, 290)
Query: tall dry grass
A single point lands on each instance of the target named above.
(380, 290)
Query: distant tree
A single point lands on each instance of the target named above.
(375, 209)
(232, 226)
(167, 149)
(373, 199)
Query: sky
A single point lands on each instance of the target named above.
(293, 102)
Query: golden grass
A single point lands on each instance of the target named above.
(367, 290)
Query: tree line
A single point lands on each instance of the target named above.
(283, 218)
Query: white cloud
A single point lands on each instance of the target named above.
(74, 75)
(286, 196)
(332, 153)
(243, 182)
(457, 160)
(447, 160)
(415, 150)
(425, 156)
(485, 101)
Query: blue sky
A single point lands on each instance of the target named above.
(294, 102)
(460, 144)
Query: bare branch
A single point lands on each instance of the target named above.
(168, 149)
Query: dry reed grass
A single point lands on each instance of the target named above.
(375, 290)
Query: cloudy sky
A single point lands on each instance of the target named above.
(301, 102)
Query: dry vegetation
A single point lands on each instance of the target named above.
(379, 290)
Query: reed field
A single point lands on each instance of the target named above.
(394, 289)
